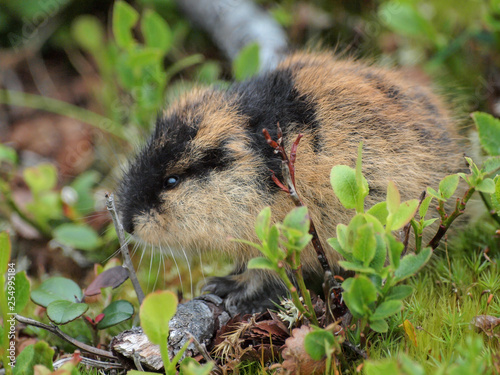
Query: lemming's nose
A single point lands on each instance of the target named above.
(128, 225)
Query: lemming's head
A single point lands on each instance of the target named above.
(196, 180)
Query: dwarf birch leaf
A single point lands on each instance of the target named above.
(404, 214)
(393, 198)
(448, 185)
(156, 311)
(489, 132)
(343, 181)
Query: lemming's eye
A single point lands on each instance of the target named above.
(171, 182)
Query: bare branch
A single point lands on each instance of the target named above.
(56, 331)
(127, 262)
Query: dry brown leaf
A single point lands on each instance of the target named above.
(296, 360)
(487, 324)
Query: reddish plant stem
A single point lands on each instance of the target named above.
(288, 170)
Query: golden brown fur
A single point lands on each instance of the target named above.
(407, 134)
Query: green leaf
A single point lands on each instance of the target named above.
(261, 263)
(356, 267)
(399, 292)
(37, 354)
(298, 219)
(386, 309)
(410, 264)
(380, 253)
(361, 182)
(343, 181)
(424, 206)
(342, 236)
(83, 185)
(54, 289)
(495, 198)
(486, 186)
(124, 19)
(189, 366)
(157, 33)
(40, 178)
(429, 222)
(433, 193)
(491, 164)
(334, 243)
(404, 19)
(365, 244)
(8, 154)
(489, 132)
(393, 198)
(379, 326)
(144, 57)
(208, 73)
(78, 236)
(115, 313)
(395, 249)
(273, 248)
(379, 211)
(448, 186)
(262, 223)
(22, 291)
(89, 33)
(156, 311)
(383, 367)
(62, 312)
(404, 214)
(361, 294)
(319, 343)
(5, 250)
(247, 63)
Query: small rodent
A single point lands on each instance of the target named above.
(204, 174)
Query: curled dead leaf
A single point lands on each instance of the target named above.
(296, 360)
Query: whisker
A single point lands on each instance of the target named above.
(189, 270)
(177, 267)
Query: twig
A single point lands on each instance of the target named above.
(203, 351)
(355, 349)
(288, 170)
(56, 331)
(127, 262)
(492, 212)
(446, 220)
(95, 364)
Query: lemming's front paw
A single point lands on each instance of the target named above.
(247, 293)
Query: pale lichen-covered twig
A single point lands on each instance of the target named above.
(127, 262)
(56, 331)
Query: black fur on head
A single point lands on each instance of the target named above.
(143, 182)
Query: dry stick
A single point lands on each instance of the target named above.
(56, 331)
(204, 353)
(447, 220)
(127, 262)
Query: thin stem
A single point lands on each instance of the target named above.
(446, 221)
(305, 293)
(127, 261)
(56, 331)
(494, 215)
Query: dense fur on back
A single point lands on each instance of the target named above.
(211, 142)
